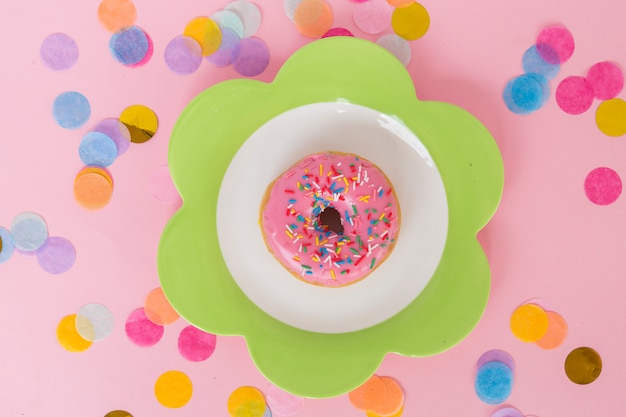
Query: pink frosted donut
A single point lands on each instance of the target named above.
(330, 219)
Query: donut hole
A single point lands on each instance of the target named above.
(330, 219)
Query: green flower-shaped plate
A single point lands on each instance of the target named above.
(209, 133)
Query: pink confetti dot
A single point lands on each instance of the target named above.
(337, 32)
(574, 95)
(283, 403)
(603, 186)
(555, 44)
(196, 345)
(373, 16)
(606, 79)
(141, 331)
(162, 187)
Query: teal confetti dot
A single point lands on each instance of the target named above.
(494, 382)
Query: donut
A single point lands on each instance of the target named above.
(330, 219)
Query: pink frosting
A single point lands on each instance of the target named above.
(319, 253)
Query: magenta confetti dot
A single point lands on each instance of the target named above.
(606, 79)
(555, 44)
(337, 32)
(574, 95)
(603, 186)
(57, 255)
(373, 16)
(282, 402)
(223, 56)
(196, 345)
(183, 55)
(141, 331)
(115, 130)
(496, 355)
(59, 51)
(251, 56)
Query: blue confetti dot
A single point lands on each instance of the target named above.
(523, 94)
(494, 382)
(71, 110)
(97, 149)
(29, 231)
(267, 413)
(130, 46)
(532, 62)
(7, 245)
(545, 86)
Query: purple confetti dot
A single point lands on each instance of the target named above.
(183, 55)
(117, 131)
(496, 355)
(130, 46)
(223, 56)
(507, 412)
(59, 51)
(251, 57)
(57, 255)
(196, 345)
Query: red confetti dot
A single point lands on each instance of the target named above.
(603, 186)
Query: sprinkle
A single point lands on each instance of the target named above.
(321, 170)
(354, 210)
(356, 252)
(332, 273)
(289, 234)
(359, 241)
(305, 266)
(292, 201)
(296, 258)
(290, 191)
(372, 264)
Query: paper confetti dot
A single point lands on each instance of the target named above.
(337, 32)
(606, 79)
(29, 231)
(611, 117)
(206, 32)
(283, 403)
(223, 56)
(399, 3)
(533, 62)
(97, 149)
(583, 365)
(246, 401)
(290, 8)
(6, 245)
(227, 19)
(398, 46)
(373, 16)
(158, 309)
(57, 255)
(556, 333)
(59, 51)
(94, 322)
(410, 22)
(555, 44)
(118, 413)
(117, 131)
(494, 382)
(524, 94)
(71, 110)
(196, 345)
(574, 95)
(115, 15)
(529, 322)
(507, 412)
(141, 121)
(380, 395)
(313, 18)
(131, 46)
(68, 336)
(496, 355)
(370, 413)
(249, 14)
(141, 331)
(603, 186)
(183, 55)
(251, 56)
(173, 389)
(162, 187)
(93, 188)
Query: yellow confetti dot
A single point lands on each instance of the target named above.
(206, 32)
(369, 413)
(246, 402)
(529, 323)
(410, 22)
(611, 117)
(173, 389)
(141, 121)
(68, 336)
(583, 365)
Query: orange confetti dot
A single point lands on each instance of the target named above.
(246, 402)
(410, 22)
(399, 3)
(158, 309)
(117, 14)
(93, 188)
(556, 333)
(529, 322)
(313, 18)
(206, 32)
(68, 336)
(378, 395)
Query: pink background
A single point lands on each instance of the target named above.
(546, 241)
